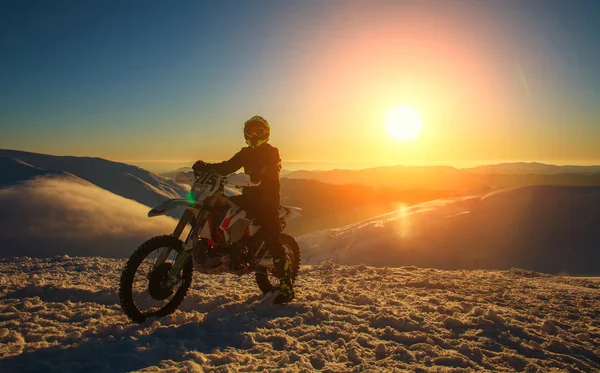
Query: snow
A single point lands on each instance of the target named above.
(545, 228)
(13, 171)
(61, 314)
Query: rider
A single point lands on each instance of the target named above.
(261, 161)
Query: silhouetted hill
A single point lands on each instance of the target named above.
(448, 178)
(399, 177)
(501, 181)
(543, 228)
(328, 206)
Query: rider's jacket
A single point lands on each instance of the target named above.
(263, 165)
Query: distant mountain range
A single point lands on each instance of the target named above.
(437, 177)
(450, 178)
(532, 168)
(171, 174)
(393, 176)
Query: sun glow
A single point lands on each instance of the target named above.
(403, 123)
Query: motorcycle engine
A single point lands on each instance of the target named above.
(220, 258)
(211, 259)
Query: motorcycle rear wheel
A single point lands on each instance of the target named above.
(157, 290)
(268, 282)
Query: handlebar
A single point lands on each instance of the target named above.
(237, 180)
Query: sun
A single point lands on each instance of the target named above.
(403, 123)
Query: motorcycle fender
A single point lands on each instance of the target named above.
(171, 204)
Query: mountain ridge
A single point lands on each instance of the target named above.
(119, 178)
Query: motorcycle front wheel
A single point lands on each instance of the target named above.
(145, 288)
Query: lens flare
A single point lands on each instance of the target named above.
(524, 81)
(190, 198)
(403, 226)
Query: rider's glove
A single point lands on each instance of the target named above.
(199, 166)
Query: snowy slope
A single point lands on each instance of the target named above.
(122, 179)
(60, 315)
(546, 228)
(14, 171)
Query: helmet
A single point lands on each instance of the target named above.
(256, 131)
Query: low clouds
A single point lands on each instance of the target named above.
(64, 215)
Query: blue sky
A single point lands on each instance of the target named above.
(136, 79)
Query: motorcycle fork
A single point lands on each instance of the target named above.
(192, 238)
(188, 246)
(187, 217)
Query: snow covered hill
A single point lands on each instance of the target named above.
(122, 179)
(61, 315)
(14, 171)
(546, 228)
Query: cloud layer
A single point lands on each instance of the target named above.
(62, 215)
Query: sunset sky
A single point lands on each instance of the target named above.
(150, 81)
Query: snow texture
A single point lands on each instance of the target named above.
(61, 315)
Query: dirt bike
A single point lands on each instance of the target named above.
(221, 238)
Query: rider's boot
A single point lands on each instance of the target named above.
(284, 272)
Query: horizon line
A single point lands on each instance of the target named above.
(368, 164)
